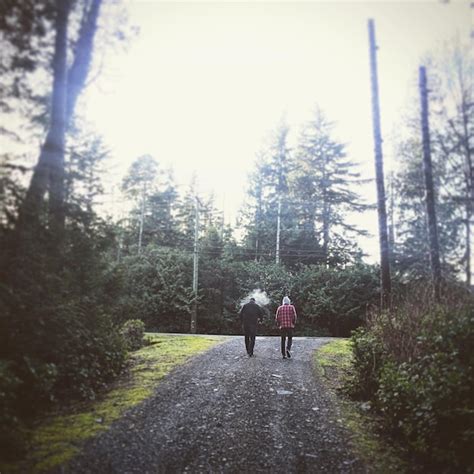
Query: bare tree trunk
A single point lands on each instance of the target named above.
(391, 226)
(325, 228)
(430, 195)
(29, 212)
(468, 245)
(326, 214)
(258, 219)
(55, 144)
(193, 327)
(277, 253)
(469, 170)
(282, 186)
(382, 212)
(142, 218)
(82, 56)
(51, 171)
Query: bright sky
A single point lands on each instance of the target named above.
(203, 84)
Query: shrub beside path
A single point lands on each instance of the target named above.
(225, 412)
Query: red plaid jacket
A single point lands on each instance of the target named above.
(286, 316)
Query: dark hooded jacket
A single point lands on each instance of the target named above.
(250, 314)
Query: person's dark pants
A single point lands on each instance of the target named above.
(286, 333)
(249, 334)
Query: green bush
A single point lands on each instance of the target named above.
(423, 381)
(333, 299)
(90, 352)
(54, 352)
(155, 287)
(57, 340)
(368, 361)
(10, 434)
(133, 332)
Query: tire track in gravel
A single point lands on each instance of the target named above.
(223, 412)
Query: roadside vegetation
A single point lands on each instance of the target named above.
(333, 362)
(406, 379)
(57, 438)
(415, 367)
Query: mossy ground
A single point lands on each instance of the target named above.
(333, 361)
(56, 440)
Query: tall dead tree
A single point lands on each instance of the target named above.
(326, 211)
(258, 219)
(469, 179)
(430, 194)
(281, 186)
(193, 328)
(379, 176)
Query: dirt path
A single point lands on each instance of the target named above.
(225, 412)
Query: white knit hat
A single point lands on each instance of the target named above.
(286, 300)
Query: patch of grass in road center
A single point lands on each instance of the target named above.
(57, 439)
(333, 362)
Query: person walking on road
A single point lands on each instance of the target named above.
(250, 314)
(285, 319)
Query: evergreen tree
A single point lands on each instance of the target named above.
(162, 224)
(324, 184)
(452, 131)
(186, 215)
(269, 218)
(155, 198)
(411, 250)
(252, 214)
(453, 137)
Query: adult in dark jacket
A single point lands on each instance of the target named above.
(250, 314)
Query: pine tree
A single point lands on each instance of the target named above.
(453, 137)
(269, 218)
(153, 193)
(323, 185)
(411, 245)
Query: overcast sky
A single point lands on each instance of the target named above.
(203, 84)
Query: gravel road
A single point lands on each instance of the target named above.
(223, 412)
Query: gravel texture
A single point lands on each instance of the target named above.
(223, 412)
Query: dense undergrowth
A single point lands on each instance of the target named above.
(416, 367)
(379, 453)
(56, 438)
(156, 287)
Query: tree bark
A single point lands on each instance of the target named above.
(50, 168)
(468, 244)
(277, 252)
(43, 174)
(326, 212)
(430, 194)
(326, 220)
(465, 105)
(82, 57)
(381, 208)
(54, 147)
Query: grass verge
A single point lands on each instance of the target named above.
(57, 439)
(333, 362)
